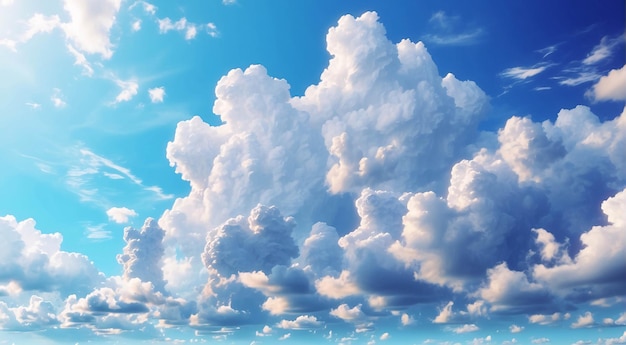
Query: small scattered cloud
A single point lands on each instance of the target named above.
(540, 341)
(547, 51)
(136, 25)
(33, 105)
(98, 232)
(120, 215)
(584, 320)
(285, 336)
(542, 319)
(467, 328)
(156, 94)
(385, 336)
(515, 328)
(57, 99)
(190, 29)
(129, 90)
(302, 322)
(229, 2)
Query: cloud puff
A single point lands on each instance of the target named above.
(382, 107)
(129, 90)
(433, 209)
(302, 322)
(260, 242)
(595, 272)
(465, 328)
(142, 256)
(120, 215)
(35, 262)
(37, 315)
(90, 25)
(156, 94)
(611, 86)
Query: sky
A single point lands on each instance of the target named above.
(315, 171)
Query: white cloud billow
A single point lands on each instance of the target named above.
(157, 94)
(129, 90)
(611, 86)
(90, 25)
(372, 192)
(120, 215)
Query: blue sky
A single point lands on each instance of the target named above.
(354, 172)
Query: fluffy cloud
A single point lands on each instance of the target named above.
(611, 86)
(389, 120)
(91, 22)
(34, 261)
(431, 208)
(156, 94)
(129, 90)
(142, 256)
(37, 315)
(120, 215)
(260, 242)
(300, 323)
(596, 271)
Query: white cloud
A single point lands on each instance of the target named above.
(136, 26)
(34, 260)
(9, 44)
(585, 320)
(81, 60)
(56, 99)
(190, 29)
(90, 25)
(142, 256)
(346, 313)
(516, 328)
(447, 315)
(603, 50)
(540, 341)
(120, 215)
(6, 2)
(523, 73)
(285, 336)
(33, 105)
(406, 319)
(156, 94)
(385, 336)
(37, 315)
(39, 23)
(300, 323)
(611, 86)
(465, 328)
(129, 90)
(98, 232)
(542, 319)
(259, 242)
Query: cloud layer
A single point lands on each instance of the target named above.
(373, 192)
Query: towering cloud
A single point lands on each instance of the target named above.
(143, 254)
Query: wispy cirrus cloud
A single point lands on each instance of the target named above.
(83, 175)
(523, 73)
(450, 30)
